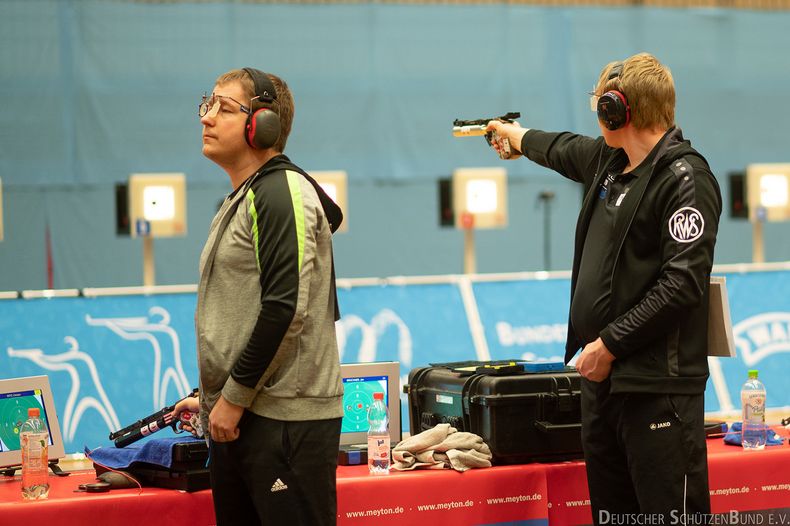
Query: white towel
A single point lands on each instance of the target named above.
(441, 447)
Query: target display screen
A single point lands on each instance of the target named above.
(13, 413)
(360, 381)
(357, 397)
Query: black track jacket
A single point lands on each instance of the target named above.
(666, 232)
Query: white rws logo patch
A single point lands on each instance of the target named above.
(686, 225)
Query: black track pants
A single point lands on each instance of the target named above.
(645, 454)
(276, 473)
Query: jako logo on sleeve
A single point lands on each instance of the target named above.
(686, 225)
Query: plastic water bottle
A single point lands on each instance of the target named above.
(753, 432)
(378, 436)
(34, 443)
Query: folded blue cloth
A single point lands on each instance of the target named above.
(154, 451)
(733, 436)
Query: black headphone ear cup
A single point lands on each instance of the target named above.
(613, 110)
(263, 129)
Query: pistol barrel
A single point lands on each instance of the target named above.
(469, 131)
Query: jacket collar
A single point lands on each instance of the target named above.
(280, 162)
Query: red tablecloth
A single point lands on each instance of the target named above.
(478, 496)
(118, 507)
(531, 494)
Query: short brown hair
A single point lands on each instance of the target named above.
(283, 106)
(649, 88)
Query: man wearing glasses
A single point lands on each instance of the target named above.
(639, 294)
(270, 386)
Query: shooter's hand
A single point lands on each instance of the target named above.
(185, 413)
(595, 361)
(223, 421)
(190, 403)
(513, 132)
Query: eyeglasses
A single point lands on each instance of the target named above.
(593, 99)
(210, 105)
(594, 102)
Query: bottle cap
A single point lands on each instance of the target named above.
(752, 373)
(33, 412)
(378, 396)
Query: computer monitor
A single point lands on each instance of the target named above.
(360, 381)
(16, 396)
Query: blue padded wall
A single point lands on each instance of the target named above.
(93, 91)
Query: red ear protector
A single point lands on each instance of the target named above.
(263, 123)
(613, 109)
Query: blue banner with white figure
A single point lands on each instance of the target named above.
(110, 360)
(760, 312)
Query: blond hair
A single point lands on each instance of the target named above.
(283, 106)
(647, 85)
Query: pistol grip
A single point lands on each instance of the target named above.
(504, 144)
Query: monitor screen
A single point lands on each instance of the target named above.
(360, 381)
(17, 395)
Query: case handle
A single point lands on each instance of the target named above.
(548, 427)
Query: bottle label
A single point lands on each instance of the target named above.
(34, 443)
(379, 448)
(35, 449)
(753, 406)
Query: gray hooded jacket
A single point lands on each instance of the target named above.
(267, 304)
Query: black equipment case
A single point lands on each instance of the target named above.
(187, 471)
(523, 417)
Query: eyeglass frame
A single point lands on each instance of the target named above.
(204, 104)
(594, 98)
